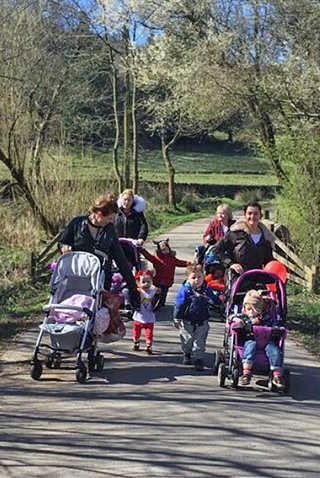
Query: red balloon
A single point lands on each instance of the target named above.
(278, 269)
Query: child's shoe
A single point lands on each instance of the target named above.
(246, 379)
(149, 350)
(199, 365)
(278, 381)
(187, 360)
(136, 346)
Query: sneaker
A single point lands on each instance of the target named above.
(136, 346)
(199, 365)
(149, 350)
(278, 381)
(246, 379)
(187, 360)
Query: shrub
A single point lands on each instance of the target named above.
(248, 195)
(191, 202)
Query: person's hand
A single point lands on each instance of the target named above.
(65, 248)
(139, 242)
(176, 325)
(207, 238)
(237, 268)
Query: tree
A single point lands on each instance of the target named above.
(35, 62)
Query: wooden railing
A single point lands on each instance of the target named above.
(297, 272)
(39, 265)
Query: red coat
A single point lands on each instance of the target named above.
(165, 265)
(215, 231)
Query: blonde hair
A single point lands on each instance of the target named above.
(106, 204)
(227, 209)
(130, 192)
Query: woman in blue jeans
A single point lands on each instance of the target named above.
(252, 314)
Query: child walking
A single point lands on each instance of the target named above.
(191, 316)
(144, 318)
(252, 314)
(165, 263)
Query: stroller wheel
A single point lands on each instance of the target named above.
(287, 380)
(49, 361)
(36, 370)
(81, 373)
(235, 377)
(222, 375)
(217, 359)
(99, 361)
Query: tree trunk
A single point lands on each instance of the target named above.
(135, 157)
(115, 94)
(266, 130)
(171, 173)
(126, 119)
(27, 193)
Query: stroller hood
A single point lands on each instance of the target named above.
(251, 279)
(78, 264)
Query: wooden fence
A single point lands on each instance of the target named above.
(297, 272)
(39, 265)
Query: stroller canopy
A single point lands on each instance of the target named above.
(83, 267)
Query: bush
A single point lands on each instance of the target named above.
(298, 203)
(249, 195)
(191, 202)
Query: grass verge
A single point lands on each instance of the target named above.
(304, 318)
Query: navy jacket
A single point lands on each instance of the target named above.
(191, 305)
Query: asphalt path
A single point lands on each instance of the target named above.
(151, 416)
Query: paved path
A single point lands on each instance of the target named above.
(151, 416)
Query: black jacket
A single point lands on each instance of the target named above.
(133, 226)
(77, 235)
(237, 247)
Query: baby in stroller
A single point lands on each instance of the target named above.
(216, 282)
(255, 313)
(255, 334)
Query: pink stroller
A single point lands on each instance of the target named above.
(228, 361)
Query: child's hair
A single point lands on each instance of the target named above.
(225, 207)
(142, 273)
(106, 204)
(192, 268)
(162, 242)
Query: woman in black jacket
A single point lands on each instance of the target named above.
(248, 244)
(96, 232)
(130, 221)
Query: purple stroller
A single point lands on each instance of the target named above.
(228, 361)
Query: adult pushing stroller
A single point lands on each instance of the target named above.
(71, 315)
(228, 361)
(131, 251)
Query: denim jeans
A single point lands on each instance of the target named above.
(272, 350)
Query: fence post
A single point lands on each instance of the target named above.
(33, 266)
(315, 279)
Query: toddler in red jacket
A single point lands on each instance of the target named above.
(165, 263)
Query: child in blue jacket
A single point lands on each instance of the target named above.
(191, 316)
